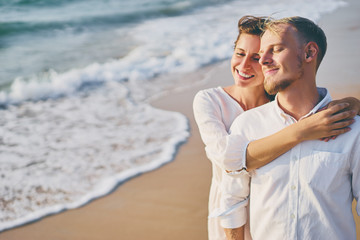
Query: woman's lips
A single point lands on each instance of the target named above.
(244, 75)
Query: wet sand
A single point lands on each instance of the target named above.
(171, 202)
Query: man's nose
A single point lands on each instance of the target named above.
(265, 59)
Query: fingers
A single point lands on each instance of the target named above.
(337, 132)
(343, 116)
(338, 128)
(337, 107)
(326, 139)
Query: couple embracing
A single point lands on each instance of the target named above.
(286, 164)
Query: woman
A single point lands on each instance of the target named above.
(216, 108)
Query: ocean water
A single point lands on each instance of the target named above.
(76, 78)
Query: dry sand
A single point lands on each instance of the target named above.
(171, 202)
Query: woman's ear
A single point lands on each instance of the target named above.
(311, 51)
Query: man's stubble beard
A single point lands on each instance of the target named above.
(272, 87)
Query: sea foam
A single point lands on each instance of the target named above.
(71, 136)
(59, 154)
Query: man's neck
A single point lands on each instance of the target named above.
(298, 99)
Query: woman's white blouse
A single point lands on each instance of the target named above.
(214, 112)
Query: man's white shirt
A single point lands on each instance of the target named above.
(306, 193)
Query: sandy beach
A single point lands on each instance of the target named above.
(171, 202)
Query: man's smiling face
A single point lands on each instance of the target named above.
(281, 58)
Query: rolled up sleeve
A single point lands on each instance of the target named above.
(234, 200)
(229, 151)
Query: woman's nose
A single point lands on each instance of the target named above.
(246, 62)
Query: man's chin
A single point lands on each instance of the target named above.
(271, 89)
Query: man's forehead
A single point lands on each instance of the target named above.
(278, 29)
(269, 38)
(276, 34)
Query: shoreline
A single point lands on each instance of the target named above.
(171, 201)
(168, 202)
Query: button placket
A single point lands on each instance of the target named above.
(293, 190)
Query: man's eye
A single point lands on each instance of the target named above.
(256, 59)
(277, 49)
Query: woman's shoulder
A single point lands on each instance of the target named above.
(210, 94)
(214, 91)
(209, 98)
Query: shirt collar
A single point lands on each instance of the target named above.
(325, 98)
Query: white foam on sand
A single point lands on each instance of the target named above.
(59, 154)
(67, 138)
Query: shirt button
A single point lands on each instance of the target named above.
(292, 216)
(293, 187)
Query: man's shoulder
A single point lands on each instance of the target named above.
(351, 136)
(357, 119)
(348, 141)
(355, 127)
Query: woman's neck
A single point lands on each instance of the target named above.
(247, 98)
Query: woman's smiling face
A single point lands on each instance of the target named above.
(245, 66)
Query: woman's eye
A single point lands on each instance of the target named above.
(240, 54)
(256, 57)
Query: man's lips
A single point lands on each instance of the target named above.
(270, 71)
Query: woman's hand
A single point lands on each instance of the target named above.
(354, 104)
(328, 123)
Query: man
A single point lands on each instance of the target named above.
(307, 192)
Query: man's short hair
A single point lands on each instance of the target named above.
(307, 30)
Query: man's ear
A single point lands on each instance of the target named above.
(311, 51)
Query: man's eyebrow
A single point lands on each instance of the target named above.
(271, 46)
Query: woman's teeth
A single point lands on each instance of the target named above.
(244, 74)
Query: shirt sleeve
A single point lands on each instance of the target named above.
(355, 171)
(225, 150)
(234, 200)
